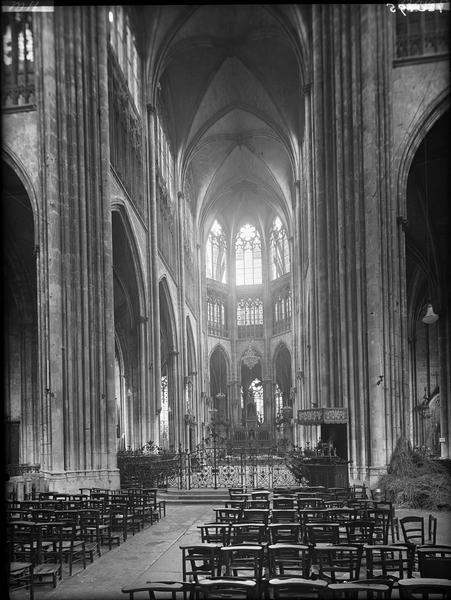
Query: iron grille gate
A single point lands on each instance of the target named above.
(211, 468)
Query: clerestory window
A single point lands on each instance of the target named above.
(216, 254)
(248, 256)
(279, 249)
(123, 43)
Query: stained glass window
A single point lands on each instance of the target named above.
(248, 252)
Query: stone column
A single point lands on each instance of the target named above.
(152, 262)
(79, 413)
(356, 294)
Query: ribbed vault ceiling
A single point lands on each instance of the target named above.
(230, 82)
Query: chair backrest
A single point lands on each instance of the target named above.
(200, 559)
(394, 560)
(255, 515)
(283, 503)
(336, 563)
(296, 588)
(259, 503)
(242, 561)
(247, 533)
(412, 528)
(311, 502)
(359, 531)
(321, 533)
(424, 588)
(228, 515)
(215, 533)
(285, 533)
(284, 515)
(289, 560)
(225, 587)
(434, 561)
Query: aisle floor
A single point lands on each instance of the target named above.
(154, 554)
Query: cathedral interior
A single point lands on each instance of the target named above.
(227, 223)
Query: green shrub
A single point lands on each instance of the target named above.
(414, 480)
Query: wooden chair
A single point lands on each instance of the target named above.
(424, 588)
(395, 561)
(310, 502)
(228, 587)
(228, 515)
(248, 533)
(321, 533)
(434, 561)
(257, 504)
(51, 555)
(255, 515)
(413, 530)
(214, 533)
(336, 563)
(200, 561)
(297, 588)
(93, 529)
(285, 533)
(359, 531)
(284, 515)
(284, 503)
(289, 560)
(245, 562)
(19, 571)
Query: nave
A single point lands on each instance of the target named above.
(154, 553)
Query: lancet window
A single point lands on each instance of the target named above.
(282, 311)
(216, 315)
(216, 254)
(279, 249)
(123, 43)
(248, 253)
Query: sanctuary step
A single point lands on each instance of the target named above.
(195, 496)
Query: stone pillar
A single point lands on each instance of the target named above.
(152, 262)
(79, 413)
(356, 295)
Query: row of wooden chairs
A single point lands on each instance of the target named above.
(55, 529)
(297, 588)
(330, 563)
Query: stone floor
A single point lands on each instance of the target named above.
(154, 554)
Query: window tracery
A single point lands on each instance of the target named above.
(249, 317)
(216, 254)
(279, 249)
(248, 256)
(123, 43)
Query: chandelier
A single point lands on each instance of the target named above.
(250, 358)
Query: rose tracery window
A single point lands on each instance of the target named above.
(280, 253)
(216, 254)
(248, 253)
